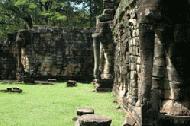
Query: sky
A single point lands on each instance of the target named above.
(78, 6)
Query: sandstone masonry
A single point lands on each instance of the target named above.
(151, 40)
(48, 53)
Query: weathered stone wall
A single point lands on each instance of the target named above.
(127, 65)
(127, 55)
(151, 61)
(7, 63)
(55, 52)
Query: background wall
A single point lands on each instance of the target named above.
(56, 52)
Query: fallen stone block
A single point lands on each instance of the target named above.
(52, 80)
(93, 120)
(9, 89)
(84, 111)
(12, 90)
(71, 83)
(17, 90)
(44, 83)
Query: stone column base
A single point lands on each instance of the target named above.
(175, 108)
(133, 118)
(103, 85)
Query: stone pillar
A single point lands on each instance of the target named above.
(158, 73)
(20, 68)
(18, 55)
(147, 38)
(96, 49)
(175, 107)
(175, 76)
(108, 61)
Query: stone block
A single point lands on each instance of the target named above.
(130, 42)
(172, 74)
(103, 89)
(159, 51)
(138, 60)
(158, 71)
(137, 53)
(134, 92)
(138, 68)
(108, 11)
(108, 5)
(93, 120)
(12, 90)
(104, 85)
(16, 89)
(159, 62)
(134, 48)
(177, 94)
(133, 84)
(108, 0)
(156, 83)
(132, 59)
(166, 95)
(135, 33)
(83, 111)
(105, 18)
(124, 70)
(129, 121)
(71, 83)
(133, 22)
(133, 14)
(52, 80)
(133, 41)
(170, 120)
(132, 66)
(175, 85)
(133, 75)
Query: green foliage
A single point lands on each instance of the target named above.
(53, 105)
(19, 14)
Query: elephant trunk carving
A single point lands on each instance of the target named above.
(103, 47)
(96, 49)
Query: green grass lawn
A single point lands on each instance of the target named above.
(53, 105)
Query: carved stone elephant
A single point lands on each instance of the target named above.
(103, 52)
(23, 72)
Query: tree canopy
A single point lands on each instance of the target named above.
(17, 14)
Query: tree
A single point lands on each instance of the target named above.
(19, 14)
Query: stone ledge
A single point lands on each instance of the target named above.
(175, 109)
(170, 120)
